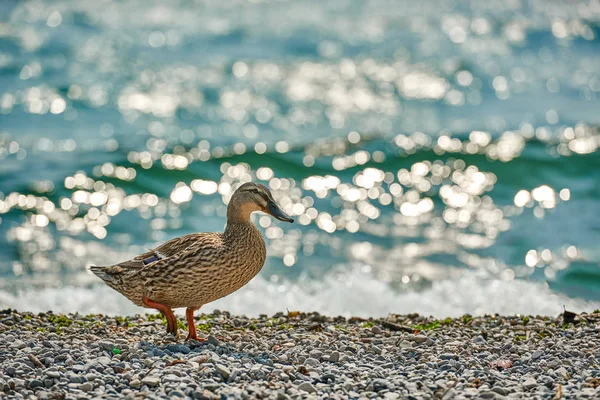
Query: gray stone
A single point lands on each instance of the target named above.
(282, 396)
(213, 340)
(91, 377)
(106, 345)
(103, 360)
(537, 354)
(35, 383)
(417, 338)
(79, 368)
(311, 362)
(233, 375)
(381, 384)
(447, 356)
(529, 383)
(184, 349)
(18, 344)
(223, 370)
(151, 380)
(86, 387)
(316, 354)
(334, 356)
(135, 383)
(53, 374)
(307, 387)
(500, 390)
(563, 373)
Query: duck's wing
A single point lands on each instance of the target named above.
(163, 252)
(202, 254)
(167, 249)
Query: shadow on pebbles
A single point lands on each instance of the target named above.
(297, 356)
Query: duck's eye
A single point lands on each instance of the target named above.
(260, 194)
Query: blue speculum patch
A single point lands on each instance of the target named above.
(150, 260)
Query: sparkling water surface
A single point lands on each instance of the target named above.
(439, 157)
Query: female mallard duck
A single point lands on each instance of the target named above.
(199, 268)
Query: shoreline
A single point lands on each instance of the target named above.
(445, 298)
(300, 355)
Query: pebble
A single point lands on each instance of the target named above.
(537, 354)
(213, 340)
(417, 338)
(307, 387)
(151, 380)
(311, 362)
(479, 339)
(135, 383)
(381, 384)
(529, 384)
(103, 360)
(563, 373)
(223, 370)
(447, 356)
(334, 356)
(53, 374)
(35, 384)
(500, 390)
(351, 360)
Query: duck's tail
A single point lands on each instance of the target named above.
(99, 272)
(112, 275)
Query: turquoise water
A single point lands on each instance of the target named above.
(438, 158)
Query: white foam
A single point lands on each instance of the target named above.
(356, 293)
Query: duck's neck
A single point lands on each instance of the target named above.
(239, 213)
(239, 223)
(246, 248)
(240, 227)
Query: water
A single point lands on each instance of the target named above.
(439, 158)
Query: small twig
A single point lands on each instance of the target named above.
(174, 362)
(35, 361)
(558, 394)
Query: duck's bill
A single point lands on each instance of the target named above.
(278, 213)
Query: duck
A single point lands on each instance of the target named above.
(198, 268)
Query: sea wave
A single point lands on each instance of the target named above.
(357, 293)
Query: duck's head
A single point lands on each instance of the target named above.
(252, 197)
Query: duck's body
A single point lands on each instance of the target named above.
(199, 268)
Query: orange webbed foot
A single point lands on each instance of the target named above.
(194, 337)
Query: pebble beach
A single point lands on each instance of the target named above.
(296, 355)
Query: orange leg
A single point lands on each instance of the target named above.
(189, 315)
(166, 311)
